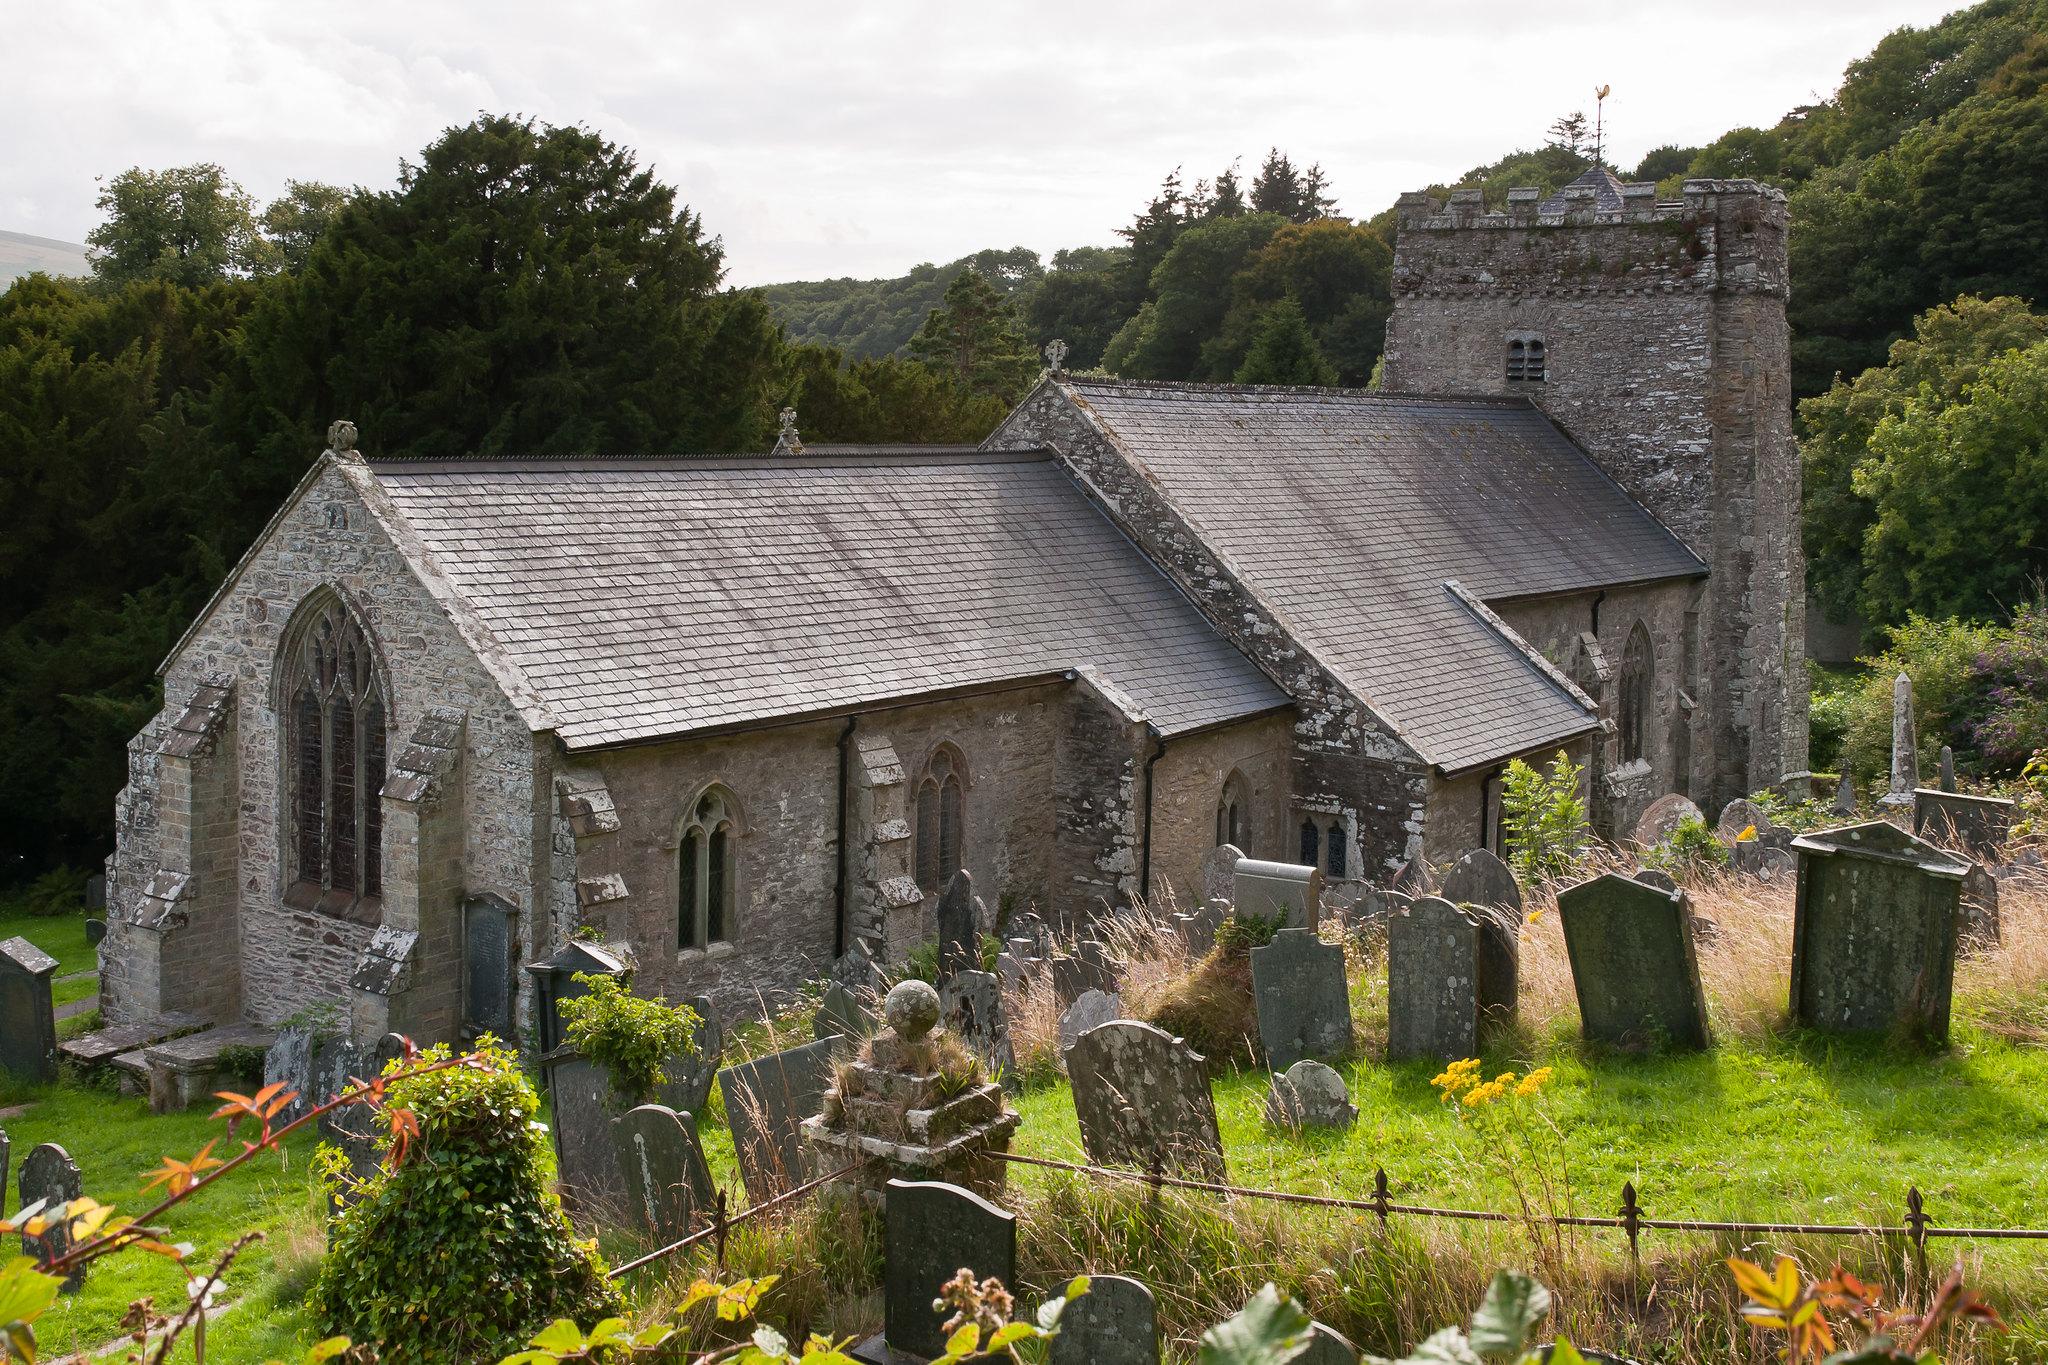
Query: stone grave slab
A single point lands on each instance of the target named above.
(1874, 932)
(1310, 1095)
(958, 930)
(184, 1071)
(1634, 967)
(766, 1102)
(1978, 824)
(971, 1006)
(1140, 1093)
(586, 1153)
(686, 1079)
(1433, 993)
(1219, 872)
(101, 1047)
(1289, 893)
(1662, 819)
(1092, 1010)
(667, 1183)
(933, 1231)
(28, 1014)
(1114, 1323)
(48, 1173)
(1303, 1000)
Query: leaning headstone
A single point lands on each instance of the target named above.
(1114, 1323)
(1845, 795)
(687, 1077)
(1091, 1010)
(933, 1231)
(957, 928)
(766, 1103)
(1327, 1346)
(1905, 746)
(667, 1183)
(28, 1012)
(1291, 894)
(1634, 967)
(1433, 994)
(49, 1174)
(1874, 931)
(1090, 968)
(95, 932)
(1662, 819)
(1303, 1000)
(971, 1006)
(1310, 1095)
(586, 1154)
(1483, 882)
(1219, 872)
(844, 1013)
(1946, 778)
(1142, 1095)
(1980, 824)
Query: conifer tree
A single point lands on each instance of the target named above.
(1284, 351)
(975, 336)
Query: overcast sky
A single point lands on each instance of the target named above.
(863, 136)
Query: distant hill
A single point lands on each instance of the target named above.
(21, 254)
(872, 318)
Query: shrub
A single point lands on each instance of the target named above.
(1828, 694)
(1691, 848)
(2013, 676)
(628, 1035)
(1939, 656)
(456, 1251)
(1239, 934)
(60, 891)
(1544, 816)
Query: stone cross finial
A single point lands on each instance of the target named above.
(1056, 355)
(1905, 746)
(787, 442)
(788, 420)
(341, 436)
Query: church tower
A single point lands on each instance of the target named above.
(1654, 333)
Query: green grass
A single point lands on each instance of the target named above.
(61, 936)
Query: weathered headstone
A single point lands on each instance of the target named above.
(1905, 746)
(1413, 880)
(1481, 881)
(957, 928)
(1980, 824)
(1142, 1094)
(766, 1102)
(1874, 932)
(1219, 872)
(6, 1170)
(1090, 968)
(1290, 894)
(971, 1005)
(932, 1232)
(96, 891)
(1433, 994)
(1634, 968)
(667, 1183)
(858, 971)
(1980, 926)
(1327, 1346)
(1662, 819)
(49, 1174)
(686, 1083)
(95, 932)
(1114, 1323)
(289, 1062)
(586, 1155)
(1845, 795)
(1657, 877)
(1197, 928)
(844, 1013)
(1310, 1095)
(28, 1013)
(1739, 815)
(1946, 773)
(1303, 1000)
(1091, 1010)
(490, 977)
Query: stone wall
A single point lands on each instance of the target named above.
(1187, 784)
(1668, 359)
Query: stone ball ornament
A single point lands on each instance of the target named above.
(912, 1009)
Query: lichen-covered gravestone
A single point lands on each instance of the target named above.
(1219, 872)
(844, 1012)
(686, 1077)
(1142, 1094)
(1482, 882)
(1290, 894)
(1980, 824)
(971, 1006)
(957, 928)
(932, 1231)
(1634, 967)
(1114, 1323)
(766, 1103)
(1874, 931)
(1092, 1010)
(1662, 819)
(50, 1175)
(668, 1185)
(28, 1014)
(1091, 968)
(1310, 1095)
(1432, 982)
(289, 1063)
(1303, 1001)
(587, 1170)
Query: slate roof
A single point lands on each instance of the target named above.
(1347, 512)
(1606, 187)
(645, 598)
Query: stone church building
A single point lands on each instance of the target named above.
(734, 713)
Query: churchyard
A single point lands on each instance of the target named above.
(1701, 1095)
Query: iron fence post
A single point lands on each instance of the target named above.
(1379, 1195)
(718, 1223)
(1916, 1230)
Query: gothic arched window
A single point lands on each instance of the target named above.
(1638, 668)
(334, 742)
(1527, 362)
(1311, 844)
(941, 819)
(707, 871)
(1233, 809)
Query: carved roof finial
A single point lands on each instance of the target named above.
(341, 436)
(787, 442)
(1056, 355)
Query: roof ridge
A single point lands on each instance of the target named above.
(812, 457)
(1309, 390)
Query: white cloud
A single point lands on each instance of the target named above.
(825, 138)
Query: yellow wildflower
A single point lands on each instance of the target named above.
(1479, 1096)
(1533, 1082)
(1748, 835)
(1535, 915)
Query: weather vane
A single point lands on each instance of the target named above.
(1599, 128)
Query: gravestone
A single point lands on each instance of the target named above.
(957, 927)
(1845, 795)
(1219, 873)
(1946, 774)
(1905, 746)
(844, 1013)
(668, 1186)
(1413, 879)
(1114, 1323)
(6, 1170)
(1327, 1346)
(1310, 1095)
(586, 1155)
(1874, 930)
(95, 932)
(96, 892)
(1197, 928)
(1634, 967)
(28, 1013)
(933, 1231)
(1031, 927)
(1739, 815)
(49, 1174)
(289, 1062)
(1662, 819)
(1290, 894)
(971, 1005)
(1657, 877)
(1978, 824)
(857, 970)
(686, 1077)
(353, 1128)
(1482, 882)
(1018, 962)
(1433, 990)
(1089, 969)
(1980, 925)
(1092, 1010)
(555, 980)
(766, 1103)
(1303, 1000)
(1140, 1093)
(490, 944)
